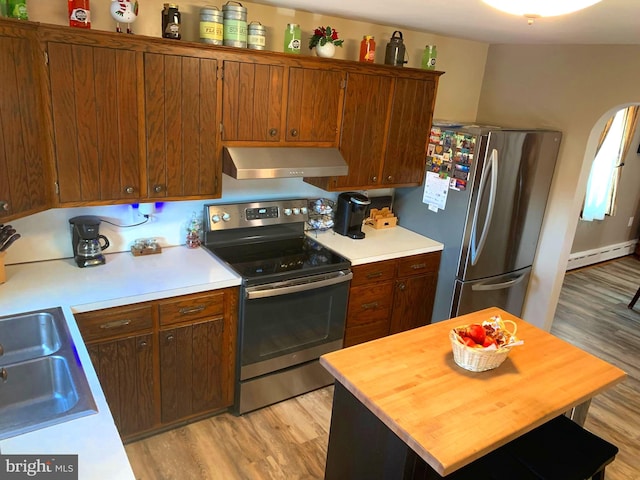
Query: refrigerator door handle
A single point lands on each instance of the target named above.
(498, 286)
(491, 167)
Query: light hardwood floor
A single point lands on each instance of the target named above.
(289, 440)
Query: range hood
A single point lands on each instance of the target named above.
(276, 162)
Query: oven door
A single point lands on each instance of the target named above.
(287, 323)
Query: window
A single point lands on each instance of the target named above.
(606, 169)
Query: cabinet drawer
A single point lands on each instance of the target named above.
(115, 322)
(365, 333)
(190, 308)
(369, 304)
(418, 264)
(373, 272)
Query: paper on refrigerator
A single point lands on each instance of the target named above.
(435, 191)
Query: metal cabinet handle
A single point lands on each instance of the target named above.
(374, 179)
(1, 350)
(170, 338)
(389, 178)
(402, 286)
(115, 324)
(273, 132)
(190, 310)
(294, 132)
(4, 205)
(129, 190)
(418, 266)
(143, 344)
(374, 275)
(369, 306)
(158, 188)
(4, 374)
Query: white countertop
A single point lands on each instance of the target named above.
(124, 279)
(377, 245)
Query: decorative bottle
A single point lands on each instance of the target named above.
(79, 13)
(368, 49)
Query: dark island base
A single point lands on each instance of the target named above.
(361, 447)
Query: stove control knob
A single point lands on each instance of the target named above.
(296, 211)
(226, 217)
(215, 218)
(287, 211)
(304, 210)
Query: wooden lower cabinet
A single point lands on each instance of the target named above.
(125, 369)
(164, 362)
(191, 369)
(391, 296)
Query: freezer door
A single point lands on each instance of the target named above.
(506, 292)
(508, 202)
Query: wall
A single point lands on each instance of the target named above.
(46, 235)
(573, 89)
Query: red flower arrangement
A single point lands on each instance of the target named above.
(323, 35)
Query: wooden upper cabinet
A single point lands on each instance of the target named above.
(363, 135)
(94, 103)
(181, 127)
(385, 126)
(252, 102)
(314, 104)
(256, 106)
(24, 176)
(409, 128)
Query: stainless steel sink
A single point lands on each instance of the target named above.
(42, 382)
(28, 336)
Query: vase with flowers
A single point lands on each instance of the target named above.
(325, 40)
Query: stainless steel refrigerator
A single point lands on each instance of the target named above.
(498, 184)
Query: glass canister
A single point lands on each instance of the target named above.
(211, 26)
(257, 36)
(368, 49)
(235, 25)
(292, 38)
(429, 57)
(171, 21)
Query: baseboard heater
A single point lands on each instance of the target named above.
(597, 255)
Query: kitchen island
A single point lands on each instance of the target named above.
(401, 403)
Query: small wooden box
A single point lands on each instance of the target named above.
(382, 218)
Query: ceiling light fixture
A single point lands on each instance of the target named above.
(532, 9)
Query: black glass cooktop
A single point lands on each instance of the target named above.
(267, 261)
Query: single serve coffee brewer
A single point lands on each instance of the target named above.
(351, 211)
(87, 242)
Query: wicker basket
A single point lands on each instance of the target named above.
(480, 359)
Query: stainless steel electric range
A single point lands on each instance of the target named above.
(294, 297)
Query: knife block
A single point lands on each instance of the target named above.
(3, 275)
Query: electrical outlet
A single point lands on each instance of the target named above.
(630, 222)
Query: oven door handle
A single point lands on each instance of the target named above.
(298, 285)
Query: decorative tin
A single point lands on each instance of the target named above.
(235, 25)
(211, 26)
(257, 37)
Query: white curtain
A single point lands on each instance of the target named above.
(597, 199)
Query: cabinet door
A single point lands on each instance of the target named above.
(413, 302)
(23, 178)
(314, 105)
(252, 102)
(125, 370)
(181, 126)
(192, 370)
(362, 139)
(369, 313)
(411, 116)
(94, 100)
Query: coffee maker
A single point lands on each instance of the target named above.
(351, 211)
(85, 239)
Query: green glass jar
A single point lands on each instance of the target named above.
(17, 9)
(292, 38)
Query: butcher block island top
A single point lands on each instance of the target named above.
(450, 416)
